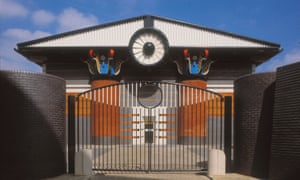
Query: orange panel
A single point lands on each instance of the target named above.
(105, 109)
(192, 113)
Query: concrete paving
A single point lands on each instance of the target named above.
(154, 176)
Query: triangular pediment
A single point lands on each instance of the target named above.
(118, 34)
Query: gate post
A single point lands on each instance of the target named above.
(228, 131)
(71, 133)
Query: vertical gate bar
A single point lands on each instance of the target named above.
(121, 125)
(93, 127)
(149, 145)
(133, 129)
(197, 131)
(133, 138)
(100, 115)
(194, 102)
(79, 119)
(177, 117)
(82, 121)
(121, 145)
(102, 129)
(156, 137)
(188, 127)
(127, 137)
(167, 104)
(122, 156)
(90, 120)
(182, 128)
(142, 146)
(192, 126)
(101, 159)
(169, 145)
(228, 131)
(86, 119)
(115, 123)
(141, 135)
(184, 124)
(213, 133)
(161, 145)
(221, 121)
(137, 128)
(109, 122)
(110, 125)
(206, 128)
(181, 124)
(99, 129)
(71, 133)
(129, 150)
(136, 132)
(209, 120)
(84, 127)
(218, 124)
(201, 146)
(215, 122)
(106, 125)
(177, 134)
(199, 109)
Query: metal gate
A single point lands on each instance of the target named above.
(149, 126)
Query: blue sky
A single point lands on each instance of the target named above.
(270, 20)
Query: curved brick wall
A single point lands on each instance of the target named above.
(253, 121)
(32, 130)
(285, 154)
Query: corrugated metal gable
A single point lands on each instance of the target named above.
(181, 35)
(114, 35)
(118, 34)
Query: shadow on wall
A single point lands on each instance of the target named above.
(254, 96)
(261, 158)
(32, 141)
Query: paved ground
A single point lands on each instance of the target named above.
(153, 176)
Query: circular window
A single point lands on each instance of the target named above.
(150, 96)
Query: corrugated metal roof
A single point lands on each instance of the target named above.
(179, 34)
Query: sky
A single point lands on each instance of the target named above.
(270, 20)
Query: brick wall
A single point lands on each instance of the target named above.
(32, 130)
(285, 154)
(253, 121)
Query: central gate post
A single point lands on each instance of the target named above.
(228, 131)
(71, 133)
